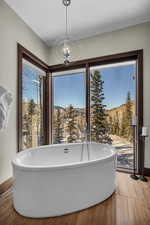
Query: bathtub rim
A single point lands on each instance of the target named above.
(21, 166)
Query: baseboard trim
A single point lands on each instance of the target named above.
(147, 172)
(6, 185)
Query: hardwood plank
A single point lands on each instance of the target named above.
(5, 186)
(129, 205)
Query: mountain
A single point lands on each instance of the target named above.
(119, 110)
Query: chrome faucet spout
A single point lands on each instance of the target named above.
(86, 144)
(87, 134)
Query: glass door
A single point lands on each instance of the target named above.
(105, 98)
(113, 108)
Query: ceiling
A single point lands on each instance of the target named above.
(86, 17)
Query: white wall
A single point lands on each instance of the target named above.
(132, 38)
(13, 30)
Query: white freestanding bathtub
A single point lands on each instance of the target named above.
(53, 181)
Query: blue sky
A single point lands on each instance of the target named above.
(117, 82)
(70, 89)
(30, 75)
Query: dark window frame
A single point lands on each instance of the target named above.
(109, 59)
(85, 63)
(23, 53)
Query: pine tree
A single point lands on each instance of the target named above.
(111, 125)
(123, 125)
(58, 128)
(27, 142)
(28, 123)
(116, 125)
(128, 117)
(71, 126)
(126, 130)
(99, 127)
(31, 107)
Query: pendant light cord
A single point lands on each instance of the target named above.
(66, 3)
(66, 21)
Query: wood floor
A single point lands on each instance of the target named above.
(130, 205)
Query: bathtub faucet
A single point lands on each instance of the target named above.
(86, 144)
(87, 134)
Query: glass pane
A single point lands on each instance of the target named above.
(113, 94)
(68, 107)
(32, 105)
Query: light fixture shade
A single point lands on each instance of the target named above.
(64, 50)
(67, 50)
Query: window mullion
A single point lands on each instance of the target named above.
(88, 101)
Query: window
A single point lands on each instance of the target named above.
(31, 100)
(32, 105)
(113, 106)
(68, 107)
(93, 99)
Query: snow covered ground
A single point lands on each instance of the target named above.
(125, 152)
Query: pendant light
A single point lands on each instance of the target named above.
(64, 45)
(66, 49)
